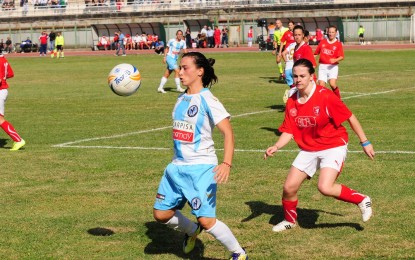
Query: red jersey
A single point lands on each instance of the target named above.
(316, 125)
(287, 38)
(250, 33)
(5, 72)
(304, 51)
(43, 39)
(329, 50)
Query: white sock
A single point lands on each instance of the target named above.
(181, 223)
(177, 80)
(223, 234)
(162, 82)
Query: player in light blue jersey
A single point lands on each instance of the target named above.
(194, 173)
(171, 55)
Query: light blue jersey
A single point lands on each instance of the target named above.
(190, 177)
(194, 117)
(174, 52)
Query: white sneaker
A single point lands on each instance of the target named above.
(283, 225)
(179, 89)
(366, 208)
(161, 90)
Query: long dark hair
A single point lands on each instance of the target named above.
(209, 78)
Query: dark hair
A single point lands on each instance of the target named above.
(298, 27)
(179, 31)
(333, 26)
(305, 63)
(209, 78)
(306, 33)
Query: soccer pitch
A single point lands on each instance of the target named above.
(84, 185)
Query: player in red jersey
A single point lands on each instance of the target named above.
(5, 73)
(313, 118)
(302, 50)
(331, 52)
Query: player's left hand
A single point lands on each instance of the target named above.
(369, 151)
(222, 172)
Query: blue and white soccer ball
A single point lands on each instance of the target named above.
(124, 79)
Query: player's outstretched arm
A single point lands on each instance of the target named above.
(282, 141)
(223, 169)
(364, 142)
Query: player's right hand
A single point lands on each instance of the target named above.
(270, 151)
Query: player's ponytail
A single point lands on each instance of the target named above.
(208, 78)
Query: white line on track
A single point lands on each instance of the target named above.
(71, 144)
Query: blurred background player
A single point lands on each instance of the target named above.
(59, 42)
(194, 173)
(331, 52)
(171, 55)
(5, 73)
(288, 56)
(278, 33)
(314, 118)
(250, 36)
(361, 34)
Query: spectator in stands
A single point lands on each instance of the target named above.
(225, 34)
(114, 44)
(188, 37)
(26, 45)
(128, 42)
(104, 42)
(43, 39)
(159, 47)
(210, 38)
(271, 30)
(119, 5)
(9, 46)
(155, 40)
(319, 35)
(216, 36)
(120, 44)
(136, 41)
(52, 37)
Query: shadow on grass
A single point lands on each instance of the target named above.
(274, 130)
(274, 79)
(307, 218)
(165, 240)
(3, 143)
(280, 108)
(99, 231)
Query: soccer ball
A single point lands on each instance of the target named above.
(124, 79)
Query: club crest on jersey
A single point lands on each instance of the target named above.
(183, 131)
(192, 111)
(196, 203)
(316, 110)
(293, 112)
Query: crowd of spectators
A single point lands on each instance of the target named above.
(138, 42)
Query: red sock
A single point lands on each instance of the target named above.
(9, 129)
(349, 195)
(290, 210)
(336, 91)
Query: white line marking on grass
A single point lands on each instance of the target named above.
(70, 144)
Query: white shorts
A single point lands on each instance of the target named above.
(310, 162)
(328, 71)
(3, 97)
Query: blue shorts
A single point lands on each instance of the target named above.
(171, 63)
(194, 184)
(289, 79)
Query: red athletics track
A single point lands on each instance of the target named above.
(390, 46)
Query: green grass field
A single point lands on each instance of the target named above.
(84, 185)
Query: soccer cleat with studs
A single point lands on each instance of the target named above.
(189, 242)
(236, 256)
(366, 208)
(283, 225)
(18, 145)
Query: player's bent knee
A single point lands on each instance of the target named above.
(162, 216)
(326, 190)
(206, 223)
